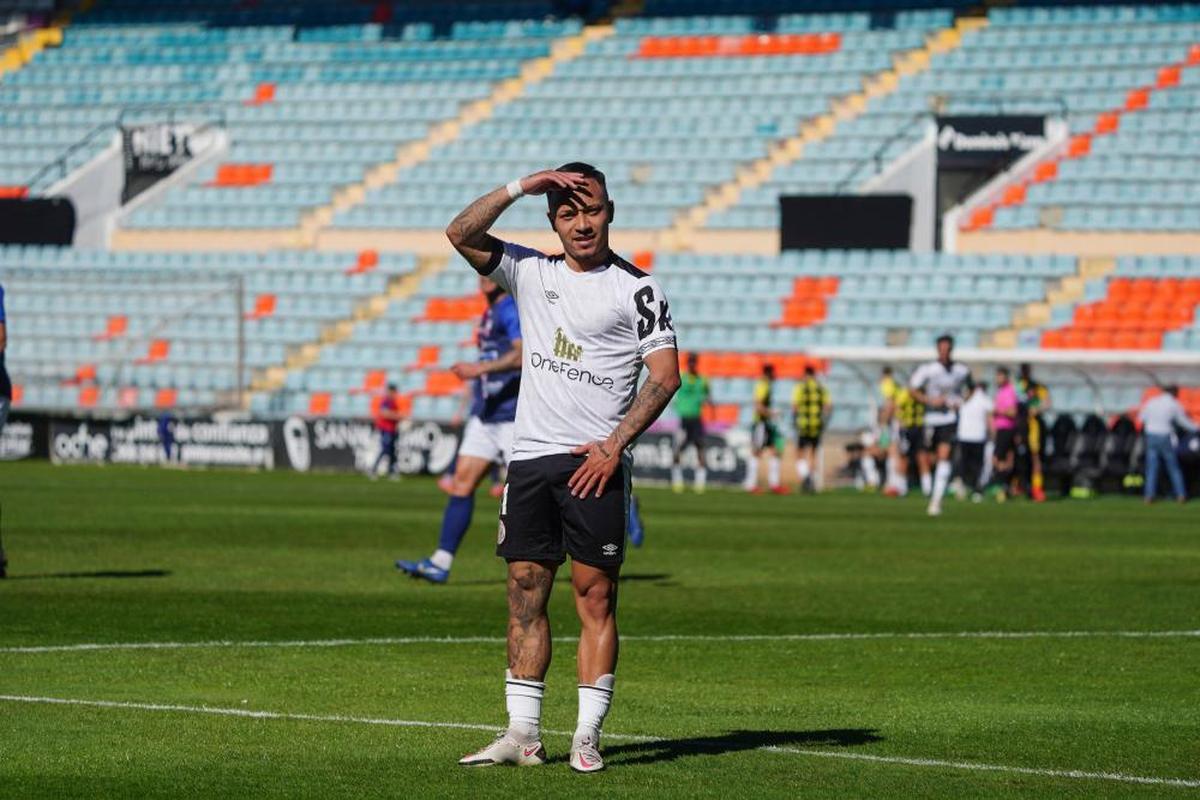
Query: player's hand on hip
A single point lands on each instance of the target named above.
(467, 370)
(549, 180)
(602, 460)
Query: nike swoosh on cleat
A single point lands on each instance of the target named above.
(532, 751)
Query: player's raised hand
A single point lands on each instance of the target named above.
(550, 180)
(602, 460)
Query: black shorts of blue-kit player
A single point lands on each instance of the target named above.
(941, 434)
(541, 521)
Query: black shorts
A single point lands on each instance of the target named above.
(806, 440)
(541, 521)
(941, 434)
(693, 432)
(912, 441)
(763, 435)
(1006, 442)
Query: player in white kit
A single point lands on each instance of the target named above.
(939, 385)
(589, 322)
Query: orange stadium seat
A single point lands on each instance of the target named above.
(18, 394)
(1137, 99)
(263, 93)
(13, 192)
(439, 384)
(367, 261)
(1079, 146)
(1045, 171)
(166, 398)
(427, 356)
(158, 351)
(243, 175)
(114, 328)
(88, 396)
(264, 306)
(319, 403)
(1108, 122)
(1168, 77)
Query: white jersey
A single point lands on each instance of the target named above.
(583, 336)
(938, 381)
(973, 417)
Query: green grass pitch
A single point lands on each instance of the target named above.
(126, 555)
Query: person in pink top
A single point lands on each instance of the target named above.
(1004, 421)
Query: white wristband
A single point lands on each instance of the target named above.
(515, 189)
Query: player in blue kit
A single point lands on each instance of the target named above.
(487, 438)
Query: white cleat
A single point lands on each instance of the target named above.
(585, 755)
(507, 750)
(934, 510)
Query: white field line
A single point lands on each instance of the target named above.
(970, 766)
(783, 637)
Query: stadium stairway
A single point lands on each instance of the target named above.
(399, 288)
(683, 234)
(1065, 292)
(532, 72)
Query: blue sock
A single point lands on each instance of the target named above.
(455, 522)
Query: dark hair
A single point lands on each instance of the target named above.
(945, 337)
(391, 387)
(809, 371)
(1171, 389)
(1002, 371)
(693, 357)
(1025, 369)
(982, 385)
(886, 370)
(556, 197)
(769, 370)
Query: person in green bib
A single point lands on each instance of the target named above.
(690, 400)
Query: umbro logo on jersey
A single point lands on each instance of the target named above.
(610, 549)
(565, 348)
(551, 296)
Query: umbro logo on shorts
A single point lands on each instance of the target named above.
(610, 549)
(551, 296)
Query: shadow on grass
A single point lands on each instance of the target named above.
(659, 578)
(734, 742)
(139, 573)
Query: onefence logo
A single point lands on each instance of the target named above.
(565, 348)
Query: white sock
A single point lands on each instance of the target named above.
(773, 471)
(752, 472)
(524, 701)
(870, 471)
(442, 559)
(802, 470)
(594, 701)
(893, 475)
(926, 484)
(676, 475)
(701, 477)
(940, 479)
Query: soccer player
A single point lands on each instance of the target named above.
(690, 401)
(938, 385)
(387, 420)
(1004, 422)
(487, 438)
(1035, 400)
(811, 406)
(5, 399)
(974, 431)
(910, 418)
(591, 321)
(764, 436)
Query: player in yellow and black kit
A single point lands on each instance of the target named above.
(764, 436)
(1035, 401)
(910, 413)
(811, 405)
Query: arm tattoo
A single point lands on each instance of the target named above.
(470, 227)
(648, 404)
